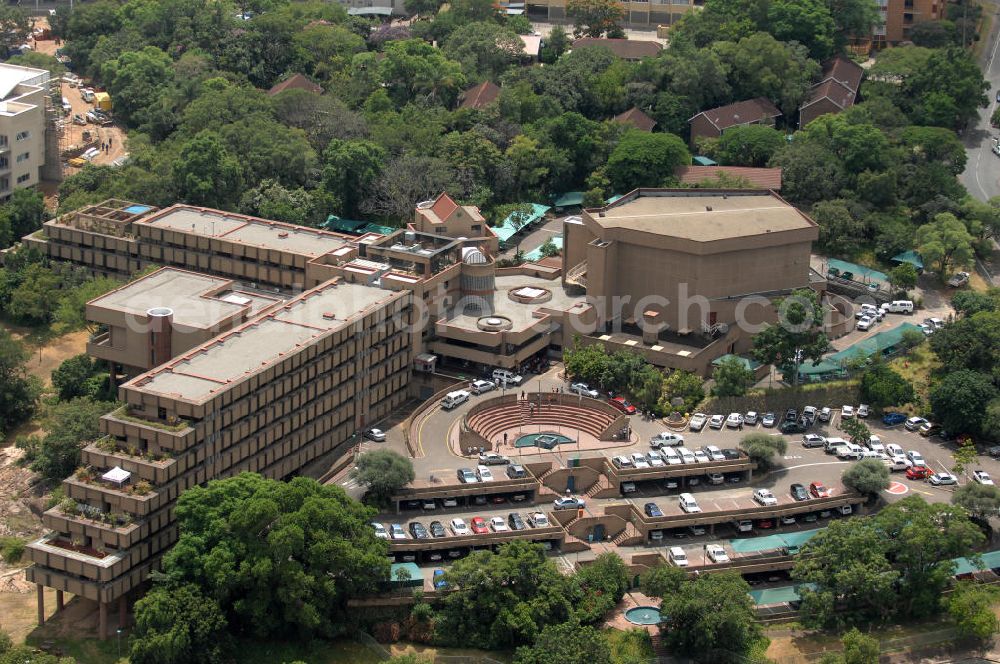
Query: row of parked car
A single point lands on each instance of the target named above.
(791, 422)
(483, 472)
(663, 455)
(459, 528)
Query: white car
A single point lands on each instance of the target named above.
(459, 527)
(499, 524)
(982, 477)
(893, 450)
(382, 533)
(765, 497)
(716, 421)
(700, 457)
(396, 532)
(716, 553)
(825, 413)
(750, 419)
(584, 389)
(375, 434)
(896, 463)
(846, 412)
(484, 474)
(915, 458)
(639, 460)
(538, 520)
(622, 461)
(875, 444)
(937, 323)
(863, 410)
(492, 459)
(655, 460)
(714, 453)
(942, 479)
(480, 386)
(697, 422)
(666, 438)
(864, 324)
(734, 420)
(813, 440)
(914, 423)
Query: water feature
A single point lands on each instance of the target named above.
(643, 615)
(547, 440)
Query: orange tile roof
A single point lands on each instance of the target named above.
(479, 96)
(741, 112)
(636, 118)
(297, 82)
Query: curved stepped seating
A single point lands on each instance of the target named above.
(493, 422)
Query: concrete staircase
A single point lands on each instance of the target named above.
(629, 537)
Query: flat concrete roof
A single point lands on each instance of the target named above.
(521, 315)
(259, 343)
(247, 230)
(185, 293)
(702, 217)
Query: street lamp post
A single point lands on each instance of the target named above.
(119, 635)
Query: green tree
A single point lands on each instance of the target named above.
(642, 159)
(383, 473)
(808, 22)
(856, 430)
(970, 607)
(22, 215)
(135, 80)
(549, 248)
(959, 401)
(36, 296)
(762, 448)
(858, 649)
(798, 336)
(970, 302)
(587, 363)
(602, 585)
(350, 169)
(18, 390)
(868, 476)
(15, 28)
(178, 625)
(663, 580)
(991, 420)
(840, 232)
(271, 200)
(413, 69)
(903, 277)
(69, 426)
(71, 376)
(749, 145)
(710, 616)
(686, 386)
(566, 643)
(503, 599)
(979, 500)
(485, 50)
(732, 378)
(964, 455)
(646, 386)
(557, 43)
(71, 312)
(596, 18)
(881, 387)
(971, 342)
(761, 66)
(205, 173)
(29, 655)
(945, 243)
(277, 557)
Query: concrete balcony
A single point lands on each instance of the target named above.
(117, 500)
(156, 472)
(103, 535)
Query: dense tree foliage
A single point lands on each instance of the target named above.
(762, 448)
(383, 473)
(732, 378)
(867, 476)
(882, 387)
(18, 390)
(68, 427)
(796, 337)
(178, 624)
(960, 399)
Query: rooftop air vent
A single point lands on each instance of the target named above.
(708, 208)
(329, 315)
(283, 234)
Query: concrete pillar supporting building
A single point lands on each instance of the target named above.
(102, 620)
(41, 603)
(122, 612)
(59, 600)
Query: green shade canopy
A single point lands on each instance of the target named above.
(516, 221)
(791, 540)
(569, 199)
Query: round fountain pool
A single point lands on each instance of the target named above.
(546, 441)
(643, 615)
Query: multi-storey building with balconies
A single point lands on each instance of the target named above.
(23, 92)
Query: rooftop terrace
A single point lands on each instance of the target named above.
(252, 347)
(701, 215)
(247, 230)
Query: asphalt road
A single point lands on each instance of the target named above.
(982, 170)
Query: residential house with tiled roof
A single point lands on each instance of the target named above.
(295, 82)
(714, 121)
(837, 90)
(636, 118)
(626, 49)
(479, 96)
(443, 216)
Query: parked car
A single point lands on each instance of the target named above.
(916, 458)
(652, 509)
(713, 453)
(793, 426)
(516, 471)
(622, 461)
(914, 423)
(478, 525)
(467, 476)
(734, 421)
(716, 478)
(892, 449)
(928, 429)
(418, 530)
(791, 415)
(716, 553)
(639, 460)
(818, 490)
(459, 527)
(959, 279)
(498, 524)
(729, 454)
(942, 479)
(864, 324)
(982, 477)
(584, 389)
(846, 412)
(624, 406)
(484, 474)
(787, 520)
(825, 413)
(895, 463)
(863, 410)
(750, 419)
(396, 532)
(376, 435)
(568, 503)
(813, 440)
(437, 529)
(918, 473)
(439, 582)
(769, 420)
(697, 422)
(492, 459)
(668, 438)
(700, 457)
(655, 460)
(716, 421)
(380, 531)
(515, 521)
(481, 386)
(765, 497)
(892, 419)
(538, 520)
(799, 492)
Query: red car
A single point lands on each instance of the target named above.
(765, 524)
(818, 490)
(918, 473)
(479, 526)
(622, 405)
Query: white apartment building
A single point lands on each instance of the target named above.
(22, 126)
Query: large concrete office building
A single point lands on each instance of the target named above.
(296, 381)
(23, 97)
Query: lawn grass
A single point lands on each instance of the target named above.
(918, 367)
(84, 650)
(635, 645)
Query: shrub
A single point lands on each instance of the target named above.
(12, 549)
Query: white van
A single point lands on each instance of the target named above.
(898, 307)
(453, 399)
(686, 455)
(832, 444)
(502, 378)
(688, 503)
(676, 555)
